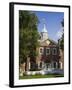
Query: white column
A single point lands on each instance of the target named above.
(60, 65)
(52, 65)
(38, 65)
(43, 64)
(29, 65)
(56, 65)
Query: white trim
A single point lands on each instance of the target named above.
(60, 65)
(40, 50)
(56, 65)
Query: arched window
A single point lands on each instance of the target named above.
(55, 65)
(41, 50)
(40, 64)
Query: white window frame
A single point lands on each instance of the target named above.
(55, 51)
(49, 51)
(42, 50)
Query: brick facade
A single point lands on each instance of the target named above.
(52, 57)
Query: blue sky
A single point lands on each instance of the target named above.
(52, 21)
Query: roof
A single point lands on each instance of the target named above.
(51, 42)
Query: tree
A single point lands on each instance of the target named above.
(28, 35)
(62, 38)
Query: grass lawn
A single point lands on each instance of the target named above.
(40, 76)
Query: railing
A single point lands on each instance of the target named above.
(49, 71)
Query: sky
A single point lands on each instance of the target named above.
(52, 21)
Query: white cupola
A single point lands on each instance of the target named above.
(44, 33)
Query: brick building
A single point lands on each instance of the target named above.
(49, 53)
(50, 56)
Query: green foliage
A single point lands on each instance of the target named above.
(28, 35)
(62, 38)
(41, 76)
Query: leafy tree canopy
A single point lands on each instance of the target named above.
(28, 34)
(62, 38)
